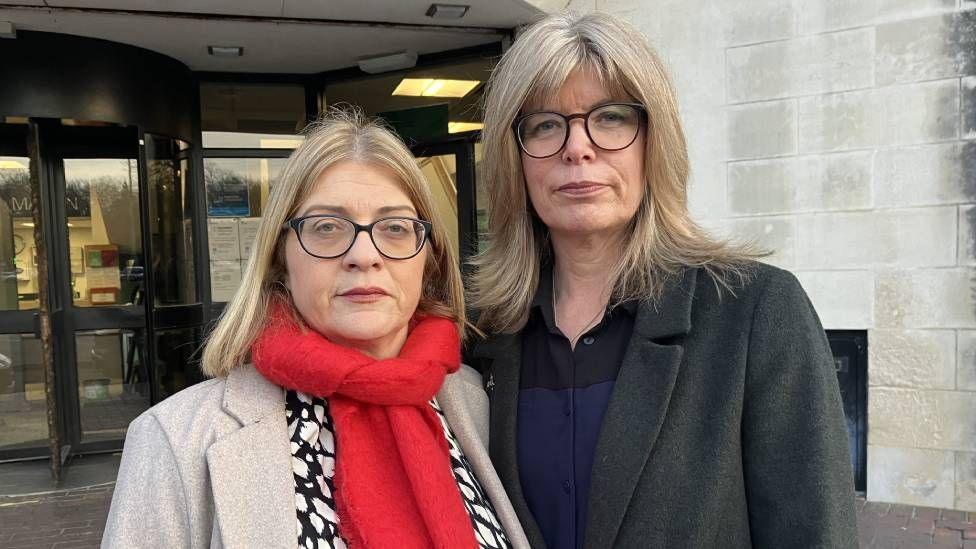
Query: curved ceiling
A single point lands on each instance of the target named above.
(277, 36)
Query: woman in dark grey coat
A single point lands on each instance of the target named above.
(650, 386)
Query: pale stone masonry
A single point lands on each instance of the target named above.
(841, 134)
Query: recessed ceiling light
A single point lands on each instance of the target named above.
(225, 51)
(447, 11)
(435, 87)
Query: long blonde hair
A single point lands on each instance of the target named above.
(664, 239)
(336, 137)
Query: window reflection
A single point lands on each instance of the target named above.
(104, 236)
(113, 381)
(237, 193)
(177, 360)
(170, 222)
(18, 258)
(481, 199)
(23, 404)
(441, 174)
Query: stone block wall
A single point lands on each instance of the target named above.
(841, 135)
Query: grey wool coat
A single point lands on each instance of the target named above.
(724, 429)
(211, 466)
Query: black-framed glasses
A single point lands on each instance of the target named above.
(611, 127)
(331, 236)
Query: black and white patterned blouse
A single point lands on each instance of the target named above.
(313, 453)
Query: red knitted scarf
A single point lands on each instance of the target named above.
(394, 483)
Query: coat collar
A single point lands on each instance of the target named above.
(633, 418)
(250, 467)
(249, 397)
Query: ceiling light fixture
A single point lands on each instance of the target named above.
(225, 51)
(461, 127)
(447, 11)
(390, 62)
(7, 30)
(435, 87)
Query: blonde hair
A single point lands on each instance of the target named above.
(664, 238)
(336, 137)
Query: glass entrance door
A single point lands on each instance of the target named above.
(90, 213)
(98, 284)
(449, 167)
(23, 406)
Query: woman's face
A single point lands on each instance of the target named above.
(362, 299)
(582, 189)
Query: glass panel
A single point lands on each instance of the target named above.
(170, 222)
(422, 104)
(104, 238)
(481, 198)
(265, 116)
(18, 259)
(177, 360)
(113, 382)
(23, 406)
(237, 193)
(441, 173)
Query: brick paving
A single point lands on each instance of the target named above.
(75, 519)
(892, 526)
(58, 520)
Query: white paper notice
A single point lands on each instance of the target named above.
(248, 230)
(103, 277)
(225, 278)
(224, 239)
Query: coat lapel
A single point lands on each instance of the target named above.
(504, 352)
(250, 467)
(637, 408)
(466, 414)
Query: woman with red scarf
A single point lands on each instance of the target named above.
(339, 414)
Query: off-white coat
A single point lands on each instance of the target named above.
(211, 466)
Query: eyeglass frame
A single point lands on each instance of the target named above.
(641, 113)
(296, 223)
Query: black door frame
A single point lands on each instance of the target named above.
(57, 143)
(462, 147)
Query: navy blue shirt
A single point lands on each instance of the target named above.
(563, 395)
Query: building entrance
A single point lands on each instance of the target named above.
(110, 224)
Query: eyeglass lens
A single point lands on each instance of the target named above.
(610, 127)
(395, 237)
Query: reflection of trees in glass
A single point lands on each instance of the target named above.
(225, 184)
(118, 198)
(224, 177)
(15, 191)
(77, 198)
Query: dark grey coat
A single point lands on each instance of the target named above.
(725, 427)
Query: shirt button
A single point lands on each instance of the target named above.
(588, 340)
(567, 410)
(566, 486)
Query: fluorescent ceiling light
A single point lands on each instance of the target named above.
(461, 127)
(435, 87)
(225, 51)
(391, 62)
(447, 11)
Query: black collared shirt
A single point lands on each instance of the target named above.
(563, 395)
